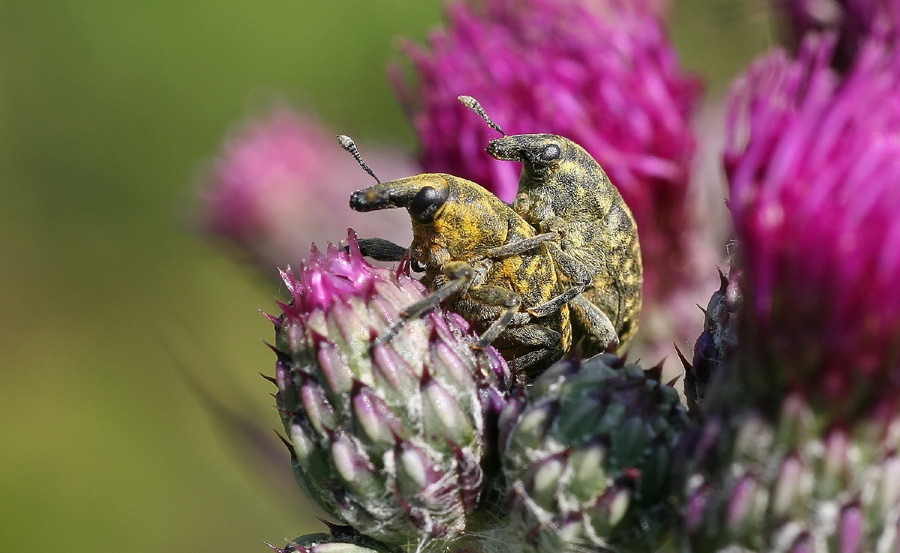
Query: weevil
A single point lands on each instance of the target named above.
(564, 193)
(460, 234)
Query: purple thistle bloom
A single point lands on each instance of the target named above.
(798, 451)
(600, 73)
(853, 20)
(813, 161)
(282, 181)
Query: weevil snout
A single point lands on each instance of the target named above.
(506, 149)
(369, 199)
(533, 149)
(422, 195)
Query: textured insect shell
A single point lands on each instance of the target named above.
(470, 223)
(600, 229)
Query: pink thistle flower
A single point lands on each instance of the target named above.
(813, 162)
(853, 21)
(600, 73)
(283, 181)
(798, 451)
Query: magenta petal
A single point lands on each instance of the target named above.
(813, 162)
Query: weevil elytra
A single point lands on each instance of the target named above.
(460, 234)
(564, 191)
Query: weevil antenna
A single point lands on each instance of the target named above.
(347, 143)
(475, 106)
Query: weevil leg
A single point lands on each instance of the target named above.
(554, 225)
(495, 296)
(534, 335)
(575, 270)
(460, 278)
(520, 246)
(460, 274)
(599, 330)
(534, 362)
(381, 249)
(543, 342)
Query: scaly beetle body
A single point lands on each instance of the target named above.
(564, 191)
(460, 232)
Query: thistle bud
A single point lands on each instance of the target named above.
(588, 456)
(390, 438)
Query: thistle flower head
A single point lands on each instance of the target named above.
(279, 183)
(389, 439)
(337, 276)
(587, 457)
(602, 74)
(813, 162)
(798, 451)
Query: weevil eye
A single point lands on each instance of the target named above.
(426, 203)
(551, 152)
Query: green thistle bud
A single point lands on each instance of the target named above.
(587, 457)
(388, 439)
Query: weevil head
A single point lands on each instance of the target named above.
(541, 154)
(423, 196)
(452, 218)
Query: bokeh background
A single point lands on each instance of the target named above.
(123, 334)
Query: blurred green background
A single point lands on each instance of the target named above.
(109, 305)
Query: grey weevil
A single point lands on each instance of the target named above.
(564, 191)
